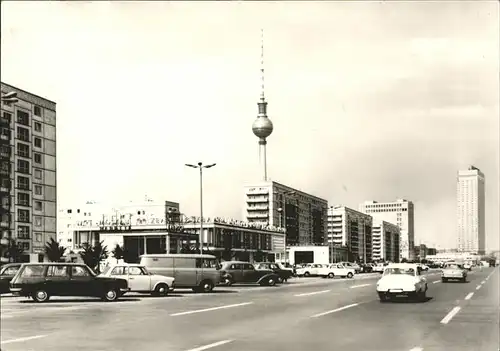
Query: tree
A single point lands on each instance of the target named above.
(54, 251)
(12, 251)
(93, 255)
(118, 252)
(404, 260)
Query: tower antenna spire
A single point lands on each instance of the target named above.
(262, 97)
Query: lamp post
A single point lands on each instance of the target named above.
(201, 167)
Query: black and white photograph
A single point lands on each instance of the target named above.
(250, 175)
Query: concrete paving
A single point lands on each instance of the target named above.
(307, 313)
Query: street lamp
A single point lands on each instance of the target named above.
(201, 166)
(10, 97)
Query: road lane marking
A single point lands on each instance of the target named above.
(359, 286)
(437, 281)
(478, 287)
(450, 315)
(211, 309)
(469, 296)
(335, 310)
(417, 349)
(209, 346)
(313, 293)
(23, 339)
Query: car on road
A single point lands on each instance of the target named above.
(287, 266)
(244, 272)
(468, 266)
(453, 271)
(423, 267)
(40, 281)
(7, 272)
(309, 269)
(366, 268)
(284, 274)
(336, 270)
(140, 280)
(355, 266)
(402, 280)
(192, 271)
(379, 268)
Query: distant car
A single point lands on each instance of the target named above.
(423, 267)
(453, 271)
(7, 272)
(379, 268)
(468, 266)
(336, 270)
(40, 281)
(366, 268)
(243, 272)
(284, 274)
(401, 280)
(355, 266)
(140, 280)
(287, 266)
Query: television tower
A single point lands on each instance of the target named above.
(262, 127)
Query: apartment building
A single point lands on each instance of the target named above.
(399, 212)
(471, 211)
(385, 241)
(351, 229)
(28, 171)
(304, 216)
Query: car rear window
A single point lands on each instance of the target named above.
(32, 271)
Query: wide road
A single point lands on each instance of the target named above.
(306, 314)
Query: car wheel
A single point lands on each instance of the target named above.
(306, 274)
(206, 286)
(349, 275)
(110, 295)
(40, 296)
(331, 275)
(271, 282)
(383, 298)
(423, 295)
(280, 280)
(444, 280)
(161, 290)
(464, 279)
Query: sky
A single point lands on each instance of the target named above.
(369, 100)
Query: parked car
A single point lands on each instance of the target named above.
(40, 281)
(468, 266)
(284, 274)
(287, 266)
(401, 279)
(453, 271)
(193, 271)
(243, 272)
(366, 268)
(379, 268)
(355, 266)
(7, 272)
(140, 280)
(336, 270)
(309, 270)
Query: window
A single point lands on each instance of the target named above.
(23, 166)
(6, 117)
(25, 246)
(57, 271)
(37, 110)
(38, 206)
(33, 271)
(23, 134)
(38, 237)
(38, 190)
(135, 271)
(38, 221)
(10, 271)
(38, 158)
(23, 183)
(183, 262)
(5, 150)
(23, 215)
(79, 271)
(38, 127)
(23, 118)
(23, 150)
(23, 199)
(118, 271)
(69, 211)
(38, 142)
(5, 167)
(38, 174)
(23, 232)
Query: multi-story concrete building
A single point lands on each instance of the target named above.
(28, 171)
(385, 241)
(303, 215)
(352, 229)
(401, 213)
(471, 210)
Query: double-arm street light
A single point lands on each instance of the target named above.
(283, 210)
(201, 167)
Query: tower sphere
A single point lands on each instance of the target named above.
(262, 127)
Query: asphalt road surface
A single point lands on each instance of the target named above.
(305, 314)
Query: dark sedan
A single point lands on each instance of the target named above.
(7, 272)
(283, 274)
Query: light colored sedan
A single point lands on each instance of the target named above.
(453, 271)
(336, 270)
(402, 279)
(140, 280)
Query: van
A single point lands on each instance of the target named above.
(198, 272)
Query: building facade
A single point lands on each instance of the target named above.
(385, 241)
(471, 210)
(28, 171)
(304, 216)
(401, 212)
(351, 229)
